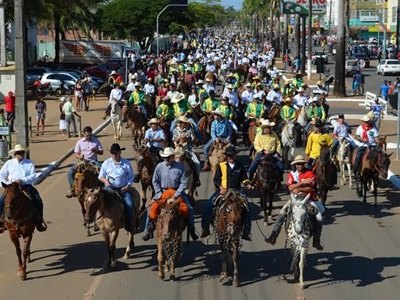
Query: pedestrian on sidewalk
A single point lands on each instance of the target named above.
(384, 91)
(9, 102)
(40, 114)
(3, 122)
(63, 124)
(70, 113)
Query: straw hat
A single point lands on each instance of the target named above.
(178, 97)
(169, 151)
(256, 78)
(299, 159)
(208, 79)
(17, 148)
(183, 119)
(287, 100)
(276, 86)
(153, 121)
(248, 84)
(199, 81)
(365, 119)
(217, 112)
(229, 86)
(319, 82)
(267, 123)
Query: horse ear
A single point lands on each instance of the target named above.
(4, 185)
(292, 197)
(97, 189)
(306, 198)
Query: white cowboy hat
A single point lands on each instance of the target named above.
(315, 99)
(169, 151)
(365, 119)
(267, 123)
(183, 119)
(276, 86)
(137, 84)
(153, 121)
(113, 72)
(178, 97)
(63, 99)
(229, 86)
(299, 159)
(199, 81)
(17, 148)
(300, 90)
(248, 84)
(217, 112)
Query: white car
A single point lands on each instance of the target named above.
(319, 54)
(387, 66)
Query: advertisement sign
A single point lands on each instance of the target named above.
(301, 7)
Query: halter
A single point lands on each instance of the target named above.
(379, 166)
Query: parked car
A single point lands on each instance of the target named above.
(319, 53)
(351, 67)
(99, 81)
(387, 66)
(34, 73)
(362, 58)
(69, 79)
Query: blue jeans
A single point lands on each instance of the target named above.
(72, 171)
(207, 147)
(254, 164)
(143, 109)
(190, 219)
(129, 205)
(37, 200)
(207, 215)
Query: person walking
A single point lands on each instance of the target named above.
(70, 113)
(9, 102)
(41, 109)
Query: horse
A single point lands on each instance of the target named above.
(375, 163)
(151, 105)
(302, 121)
(204, 125)
(298, 232)
(86, 177)
(289, 138)
(116, 119)
(19, 217)
(267, 180)
(325, 171)
(251, 135)
(136, 121)
(170, 225)
(344, 157)
(107, 210)
(217, 155)
(146, 163)
(228, 225)
(272, 114)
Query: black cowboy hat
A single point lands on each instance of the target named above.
(230, 150)
(116, 148)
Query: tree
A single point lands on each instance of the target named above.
(339, 88)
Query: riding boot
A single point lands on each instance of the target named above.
(317, 236)
(150, 229)
(40, 224)
(71, 192)
(276, 230)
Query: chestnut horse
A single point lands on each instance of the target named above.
(86, 177)
(228, 225)
(135, 121)
(217, 155)
(266, 180)
(107, 210)
(20, 221)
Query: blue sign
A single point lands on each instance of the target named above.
(292, 20)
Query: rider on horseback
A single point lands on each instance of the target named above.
(267, 143)
(138, 98)
(211, 103)
(168, 175)
(368, 135)
(316, 112)
(166, 110)
(22, 170)
(229, 174)
(342, 131)
(117, 175)
(154, 137)
(301, 181)
(86, 149)
(288, 113)
(116, 94)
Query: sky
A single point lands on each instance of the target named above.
(237, 4)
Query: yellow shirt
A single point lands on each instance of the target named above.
(269, 142)
(314, 142)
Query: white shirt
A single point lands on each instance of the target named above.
(300, 101)
(372, 134)
(149, 89)
(193, 101)
(116, 94)
(247, 96)
(274, 97)
(14, 170)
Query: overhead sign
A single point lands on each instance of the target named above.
(301, 6)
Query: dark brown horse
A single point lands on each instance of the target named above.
(135, 121)
(86, 177)
(228, 225)
(266, 180)
(204, 126)
(20, 221)
(375, 163)
(272, 114)
(170, 225)
(325, 171)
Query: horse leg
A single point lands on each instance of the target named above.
(342, 173)
(235, 259)
(143, 196)
(106, 237)
(27, 249)
(350, 179)
(131, 244)
(160, 259)
(224, 269)
(271, 199)
(114, 236)
(21, 272)
(264, 195)
(375, 183)
(301, 267)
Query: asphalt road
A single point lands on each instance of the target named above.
(360, 259)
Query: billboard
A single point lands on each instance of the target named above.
(318, 6)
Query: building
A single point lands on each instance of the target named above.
(364, 18)
(387, 10)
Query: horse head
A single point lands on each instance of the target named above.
(344, 150)
(325, 155)
(87, 178)
(383, 164)
(168, 219)
(92, 203)
(12, 194)
(299, 214)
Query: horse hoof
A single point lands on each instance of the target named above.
(235, 283)
(172, 277)
(112, 264)
(127, 256)
(162, 276)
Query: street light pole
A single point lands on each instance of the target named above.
(309, 39)
(21, 107)
(3, 61)
(158, 16)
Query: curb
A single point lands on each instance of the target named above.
(45, 172)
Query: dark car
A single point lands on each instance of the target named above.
(362, 57)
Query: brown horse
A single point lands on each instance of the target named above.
(135, 121)
(146, 164)
(107, 210)
(86, 177)
(266, 180)
(325, 170)
(272, 114)
(228, 225)
(204, 125)
(217, 155)
(20, 221)
(375, 163)
(251, 135)
(170, 225)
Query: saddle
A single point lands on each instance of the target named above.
(219, 202)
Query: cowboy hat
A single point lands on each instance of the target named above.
(169, 151)
(208, 79)
(230, 150)
(229, 86)
(199, 81)
(315, 99)
(17, 148)
(183, 119)
(259, 84)
(276, 86)
(287, 99)
(116, 148)
(231, 75)
(248, 84)
(63, 99)
(137, 84)
(267, 123)
(217, 112)
(256, 97)
(299, 159)
(113, 72)
(300, 90)
(288, 81)
(319, 82)
(153, 121)
(256, 78)
(178, 97)
(365, 119)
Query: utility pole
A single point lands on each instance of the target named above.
(330, 17)
(3, 61)
(297, 34)
(309, 39)
(397, 25)
(21, 107)
(303, 44)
